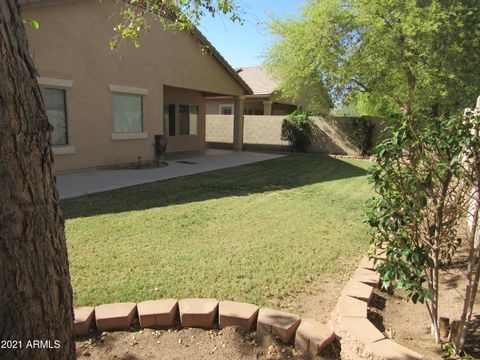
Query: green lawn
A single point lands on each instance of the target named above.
(253, 233)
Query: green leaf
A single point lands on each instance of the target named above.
(35, 24)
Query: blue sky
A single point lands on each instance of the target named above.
(245, 45)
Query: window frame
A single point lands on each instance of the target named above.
(166, 111)
(129, 90)
(142, 120)
(224, 106)
(65, 110)
(189, 106)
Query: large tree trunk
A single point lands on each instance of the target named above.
(35, 291)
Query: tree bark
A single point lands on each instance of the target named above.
(460, 337)
(35, 290)
(473, 271)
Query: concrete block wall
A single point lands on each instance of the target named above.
(219, 129)
(330, 137)
(263, 132)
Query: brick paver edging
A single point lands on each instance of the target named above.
(358, 336)
(307, 334)
(349, 323)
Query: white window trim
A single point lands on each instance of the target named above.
(60, 84)
(220, 106)
(117, 89)
(129, 136)
(57, 83)
(63, 150)
(127, 90)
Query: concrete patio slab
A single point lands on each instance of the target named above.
(89, 182)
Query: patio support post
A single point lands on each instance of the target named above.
(267, 107)
(238, 123)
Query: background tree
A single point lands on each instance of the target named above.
(36, 295)
(406, 55)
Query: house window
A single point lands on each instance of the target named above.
(55, 106)
(127, 113)
(189, 120)
(226, 110)
(169, 125)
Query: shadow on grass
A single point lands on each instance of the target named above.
(272, 175)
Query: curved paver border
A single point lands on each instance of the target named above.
(349, 322)
(358, 336)
(307, 334)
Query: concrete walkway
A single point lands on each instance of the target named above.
(82, 183)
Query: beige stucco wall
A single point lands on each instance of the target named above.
(178, 97)
(213, 105)
(72, 44)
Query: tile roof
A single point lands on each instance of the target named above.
(258, 79)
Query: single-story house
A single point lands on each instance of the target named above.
(265, 100)
(107, 106)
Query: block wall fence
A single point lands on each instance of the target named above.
(263, 133)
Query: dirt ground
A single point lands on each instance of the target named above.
(190, 344)
(320, 298)
(409, 324)
(184, 344)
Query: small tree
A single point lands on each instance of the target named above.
(298, 130)
(425, 191)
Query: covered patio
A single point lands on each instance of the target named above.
(179, 164)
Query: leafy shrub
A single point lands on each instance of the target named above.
(359, 132)
(298, 130)
(423, 175)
